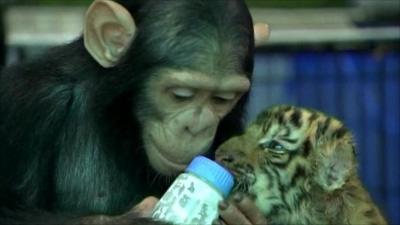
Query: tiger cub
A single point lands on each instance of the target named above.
(300, 167)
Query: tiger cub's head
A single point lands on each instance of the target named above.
(289, 151)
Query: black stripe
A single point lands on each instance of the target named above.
(370, 213)
(300, 173)
(281, 118)
(307, 148)
(275, 173)
(319, 128)
(291, 141)
(322, 127)
(295, 118)
(284, 165)
(252, 196)
(266, 126)
(286, 108)
(340, 132)
(326, 126)
(269, 176)
(313, 117)
(354, 195)
(287, 131)
(282, 189)
(262, 117)
(249, 168)
(353, 149)
(275, 210)
(300, 198)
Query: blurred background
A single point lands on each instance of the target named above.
(338, 56)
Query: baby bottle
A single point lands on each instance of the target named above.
(194, 196)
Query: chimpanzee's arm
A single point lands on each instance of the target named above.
(33, 107)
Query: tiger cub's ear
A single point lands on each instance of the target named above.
(335, 163)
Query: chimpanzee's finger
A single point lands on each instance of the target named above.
(249, 209)
(145, 207)
(231, 215)
(218, 222)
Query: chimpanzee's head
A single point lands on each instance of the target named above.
(193, 59)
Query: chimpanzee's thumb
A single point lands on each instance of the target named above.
(145, 207)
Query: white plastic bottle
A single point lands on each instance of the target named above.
(194, 196)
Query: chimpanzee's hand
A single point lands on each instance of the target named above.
(240, 210)
(145, 207)
(136, 216)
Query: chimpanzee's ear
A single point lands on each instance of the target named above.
(109, 30)
(261, 33)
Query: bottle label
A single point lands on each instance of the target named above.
(189, 200)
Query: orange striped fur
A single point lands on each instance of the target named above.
(300, 167)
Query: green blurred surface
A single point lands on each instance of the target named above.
(251, 3)
(295, 3)
(47, 2)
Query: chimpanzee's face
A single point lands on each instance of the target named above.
(179, 110)
(184, 109)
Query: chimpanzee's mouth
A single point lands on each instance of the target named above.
(166, 159)
(171, 161)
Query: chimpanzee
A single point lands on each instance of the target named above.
(91, 128)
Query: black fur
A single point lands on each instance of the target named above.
(70, 145)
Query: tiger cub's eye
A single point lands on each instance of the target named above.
(273, 146)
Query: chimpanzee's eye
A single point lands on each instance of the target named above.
(223, 98)
(182, 94)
